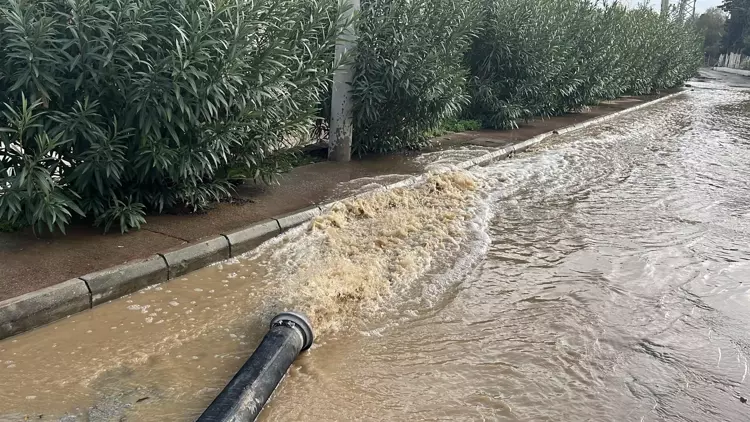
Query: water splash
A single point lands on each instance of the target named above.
(352, 262)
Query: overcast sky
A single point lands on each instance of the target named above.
(700, 6)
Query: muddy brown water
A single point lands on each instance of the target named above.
(604, 275)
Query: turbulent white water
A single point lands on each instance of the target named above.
(371, 254)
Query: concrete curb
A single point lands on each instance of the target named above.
(248, 238)
(295, 218)
(732, 71)
(118, 281)
(199, 255)
(43, 306)
(522, 146)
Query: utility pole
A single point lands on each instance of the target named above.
(681, 14)
(340, 133)
(664, 8)
(694, 1)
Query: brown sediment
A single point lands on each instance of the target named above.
(366, 248)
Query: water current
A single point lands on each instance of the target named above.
(604, 275)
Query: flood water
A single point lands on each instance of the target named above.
(605, 275)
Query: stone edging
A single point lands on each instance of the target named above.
(43, 306)
(732, 71)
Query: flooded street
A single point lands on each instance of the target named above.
(601, 276)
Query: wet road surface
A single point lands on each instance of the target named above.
(602, 276)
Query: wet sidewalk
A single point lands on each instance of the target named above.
(28, 263)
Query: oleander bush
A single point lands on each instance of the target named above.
(408, 68)
(115, 108)
(540, 58)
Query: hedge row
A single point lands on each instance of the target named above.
(112, 109)
(548, 57)
(409, 73)
(505, 61)
(118, 107)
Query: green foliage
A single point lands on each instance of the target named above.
(548, 57)
(408, 70)
(711, 25)
(737, 35)
(115, 108)
(126, 215)
(7, 227)
(458, 125)
(453, 125)
(31, 192)
(281, 161)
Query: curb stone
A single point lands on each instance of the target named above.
(407, 182)
(248, 238)
(484, 159)
(295, 218)
(46, 305)
(199, 255)
(732, 71)
(118, 281)
(43, 306)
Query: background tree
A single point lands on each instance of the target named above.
(737, 36)
(711, 26)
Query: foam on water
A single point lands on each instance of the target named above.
(371, 254)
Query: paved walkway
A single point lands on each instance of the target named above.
(28, 263)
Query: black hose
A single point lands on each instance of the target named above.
(243, 398)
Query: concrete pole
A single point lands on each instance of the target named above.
(664, 8)
(340, 134)
(681, 13)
